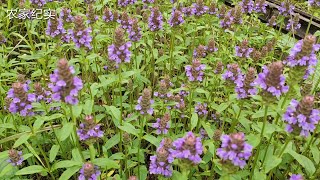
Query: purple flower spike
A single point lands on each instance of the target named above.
(64, 85)
(260, 6)
(243, 50)
(300, 117)
(188, 148)
(195, 72)
(55, 28)
(119, 51)
(247, 6)
(245, 85)
(155, 19)
(89, 172)
(232, 74)
(314, 3)
(296, 177)
(20, 100)
(162, 124)
(201, 109)
(15, 157)
(199, 8)
(234, 149)
(135, 31)
(145, 102)
(80, 35)
(271, 80)
(286, 8)
(89, 129)
(176, 18)
(39, 3)
(161, 162)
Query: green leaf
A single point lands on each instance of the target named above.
(129, 128)
(31, 170)
(194, 120)
(94, 89)
(315, 153)
(253, 139)
(115, 113)
(106, 162)
(112, 141)
(21, 140)
(271, 162)
(53, 152)
(69, 172)
(65, 131)
(88, 106)
(143, 173)
(76, 155)
(65, 164)
(6, 170)
(38, 123)
(76, 110)
(208, 128)
(304, 162)
(222, 107)
(151, 139)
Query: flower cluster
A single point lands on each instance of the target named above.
(219, 68)
(125, 21)
(135, 31)
(212, 46)
(188, 148)
(161, 162)
(2, 39)
(227, 21)
(243, 50)
(294, 23)
(163, 90)
(91, 15)
(65, 14)
(199, 8)
(296, 177)
(301, 117)
(39, 3)
(200, 52)
(303, 54)
(201, 109)
(155, 19)
(89, 172)
(145, 102)
(260, 6)
(41, 93)
(176, 18)
(245, 85)
(212, 9)
(89, 129)
(271, 80)
(64, 85)
(247, 6)
(314, 3)
(55, 27)
(108, 15)
(119, 51)
(195, 72)
(222, 11)
(20, 99)
(234, 149)
(272, 21)
(80, 35)
(162, 125)
(286, 8)
(15, 157)
(232, 74)
(124, 3)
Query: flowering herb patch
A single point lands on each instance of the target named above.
(154, 89)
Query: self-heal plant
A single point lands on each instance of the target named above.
(89, 172)
(314, 3)
(247, 6)
(176, 18)
(245, 85)
(286, 8)
(162, 125)
(293, 23)
(300, 117)
(234, 149)
(199, 8)
(161, 162)
(125, 21)
(271, 80)
(119, 51)
(135, 31)
(65, 86)
(302, 57)
(89, 129)
(155, 20)
(195, 72)
(296, 177)
(145, 102)
(260, 6)
(232, 74)
(81, 35)
(15, 157)
(201, 109)
(55, 28)
(20, 99)
(200, 51)
(188, 148)
(243, 50)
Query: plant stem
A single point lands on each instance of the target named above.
(309, 24)
(284, 147)
(139, 143)
(264, 121)
(121, 110)
(235, 122)
(92, 152)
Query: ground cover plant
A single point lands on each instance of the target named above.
(157, 90)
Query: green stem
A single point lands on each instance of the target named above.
(309, 24)
(92, 152)
(264, 121)
(121, 110)
(310, 141)
(46, 160)
(139, 143)
(284, 147)
(235, 122)
(171, 53)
